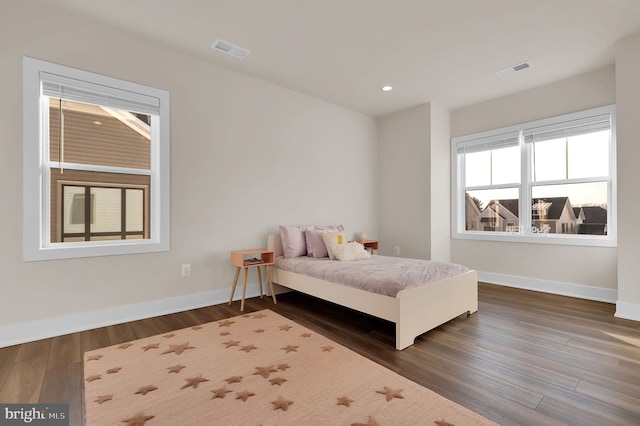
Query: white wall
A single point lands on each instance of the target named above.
(440, 216)
(628, 113)
(246, 156)
(404, 181)
(413, 178)
(589, 272)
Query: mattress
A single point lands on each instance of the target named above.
(379, 274)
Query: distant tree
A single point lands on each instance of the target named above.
(478, 202)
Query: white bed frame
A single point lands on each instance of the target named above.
(414, 311)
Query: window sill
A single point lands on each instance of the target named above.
(569, 240)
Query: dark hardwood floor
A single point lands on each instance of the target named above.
(525, 358)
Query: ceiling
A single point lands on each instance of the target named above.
(344, 51)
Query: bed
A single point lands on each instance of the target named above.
(413, 310)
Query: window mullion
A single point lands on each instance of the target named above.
(526, 158)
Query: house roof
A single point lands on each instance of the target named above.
(594, 215)
(555, 206)
(555, 209)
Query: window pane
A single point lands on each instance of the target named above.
(135, 210)
(492, 209)
(99, 135)
(549, 160)
(478, 168)
(107, 205)
(492, 167)
(589, 155)
(570, 209)
(73, 209)
(505, 165)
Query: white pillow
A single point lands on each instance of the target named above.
(351, 251)
(332, 240)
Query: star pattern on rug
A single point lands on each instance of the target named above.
(248, 348)
(104, 398)
(138, 420)
(230, 343)
(343, 400)
(390, 393)
(176, 368)
(244, 395)
(265, 371)
(178, 349)
(151, 346)
(259, 315)
(290, 348)
(220, 392)
(277, 381)
(370, 422)
(146, 389)
(233, 379)
(194, 382)
(281, 404)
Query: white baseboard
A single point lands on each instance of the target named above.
(630, 311)
(58, 326)
(553, 287)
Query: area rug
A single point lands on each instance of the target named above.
(256, 369)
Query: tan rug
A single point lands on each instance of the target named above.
(254, 369)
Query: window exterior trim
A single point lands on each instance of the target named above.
(36, 244)
(458, 229)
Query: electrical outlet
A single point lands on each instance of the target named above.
(396, 250)
(185, 269)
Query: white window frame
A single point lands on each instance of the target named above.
(458, 187)
(36, 184)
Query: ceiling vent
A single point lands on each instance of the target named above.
(505, 72)
(230, 49)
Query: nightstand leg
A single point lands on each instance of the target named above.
(267, 272)
(260, 280)
(235, 282)
(244, 288)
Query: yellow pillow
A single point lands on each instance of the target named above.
(333, 240)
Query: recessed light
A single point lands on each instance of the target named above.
(387, 88)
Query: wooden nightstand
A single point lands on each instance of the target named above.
(245, 259)
(370, 245)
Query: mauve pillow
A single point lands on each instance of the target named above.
(293, 241)
(313, 237)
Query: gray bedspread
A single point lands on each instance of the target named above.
(379, 274)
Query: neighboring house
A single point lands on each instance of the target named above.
(497, 216)
(579, 214)
(552, 215)
(594, 220)
(472, 211)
